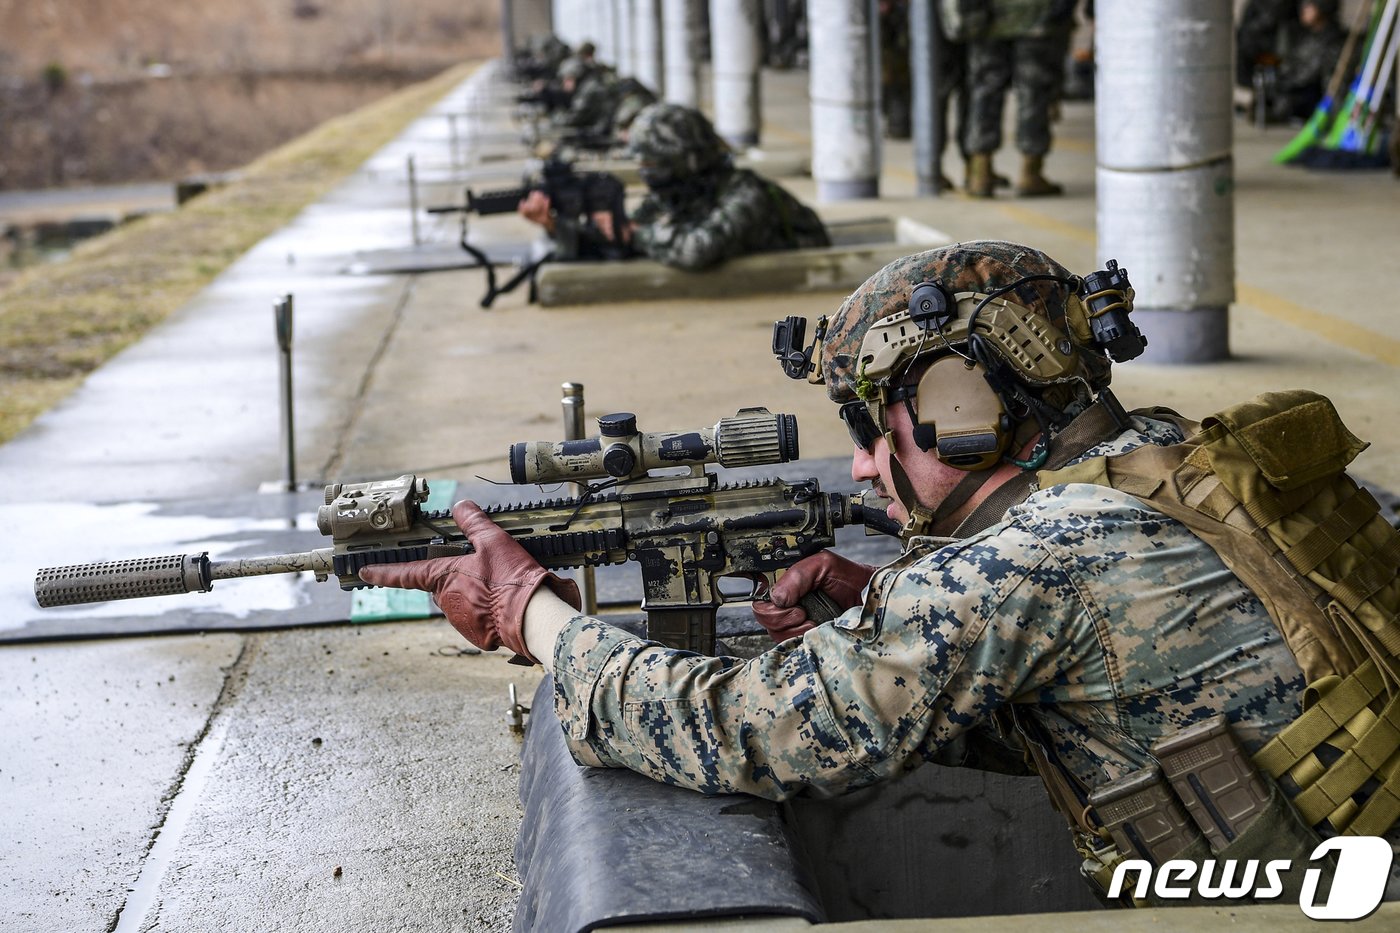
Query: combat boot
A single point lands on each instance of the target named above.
(978, 183)
(1033, 184)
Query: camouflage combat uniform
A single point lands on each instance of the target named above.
(1010, 43)
(1104, 623)
(699, 209)
(735, 213)
(593, 101)
(1307, 68)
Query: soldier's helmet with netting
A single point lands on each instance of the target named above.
(676, 140)
(1043, 333)
(573, 68)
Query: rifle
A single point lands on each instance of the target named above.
(686, 532)
(575, 198)
(550, 98)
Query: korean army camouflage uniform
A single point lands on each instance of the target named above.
(700, 209)
(594, 98)
(1104, 624)
(1010, 43)
(1307, 68)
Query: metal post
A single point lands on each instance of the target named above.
(845, 92)
(452, 139)
(575, 430)
(413, 201)
(680, 27)
(735, 50)
(282, 319)
(924, 50)
(646, 43)
(1163, 115)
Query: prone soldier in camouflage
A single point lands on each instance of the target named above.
(1070, 629)
(1018, 44)
(700, 210)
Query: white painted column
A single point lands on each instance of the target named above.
(680, 21)
(646, 43)
(735, 49)
(1165, 173)
(844, 40)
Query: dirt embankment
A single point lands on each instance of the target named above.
(98, 91)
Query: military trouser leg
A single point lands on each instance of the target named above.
(1037, 65)
(952, 79)
(989, 70)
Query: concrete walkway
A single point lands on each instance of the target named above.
(358, 778)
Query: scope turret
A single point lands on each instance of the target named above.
(753, 437)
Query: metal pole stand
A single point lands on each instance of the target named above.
(282, 321)
(574, 422)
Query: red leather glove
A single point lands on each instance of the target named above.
(483, 594)
(841, 579)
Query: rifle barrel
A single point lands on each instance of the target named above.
(161, 576)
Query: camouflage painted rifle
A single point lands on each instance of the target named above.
(575, 198)
(686, 532)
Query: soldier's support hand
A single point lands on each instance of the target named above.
(603, 220)
(841, 579)
(535, 207)
(483, 594)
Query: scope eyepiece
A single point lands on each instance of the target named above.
(752, 437)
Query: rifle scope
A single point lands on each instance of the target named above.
(753, 437)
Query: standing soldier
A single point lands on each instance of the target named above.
(1016, 43)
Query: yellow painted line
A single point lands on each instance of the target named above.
(1336, 330)
(1071, 144)
(1341, 332)
(1024, 215)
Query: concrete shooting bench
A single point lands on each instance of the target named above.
(859, 248)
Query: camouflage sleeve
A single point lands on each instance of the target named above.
(944, 639)
(738, 214)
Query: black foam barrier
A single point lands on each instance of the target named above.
(600, 847)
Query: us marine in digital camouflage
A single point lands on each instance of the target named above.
(1104, 598)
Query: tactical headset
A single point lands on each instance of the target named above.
(987, 355)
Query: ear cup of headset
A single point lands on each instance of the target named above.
(960, 416)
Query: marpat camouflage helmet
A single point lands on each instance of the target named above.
(676, 138)
(980, 266)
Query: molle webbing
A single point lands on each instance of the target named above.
(1264, 484)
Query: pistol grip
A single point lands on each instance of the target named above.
(820, 607)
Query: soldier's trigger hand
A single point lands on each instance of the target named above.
(781, 624)
(483, 594)
(841, 579)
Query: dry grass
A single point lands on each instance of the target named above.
(58, 322)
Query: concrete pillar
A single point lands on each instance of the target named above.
(569, 20)
(735, 55)
(604, 38)
(623, 18)
(924, 48)
(1165, 174)
(646, 43)
(521, 20)
(845, 91)
(680, 26)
